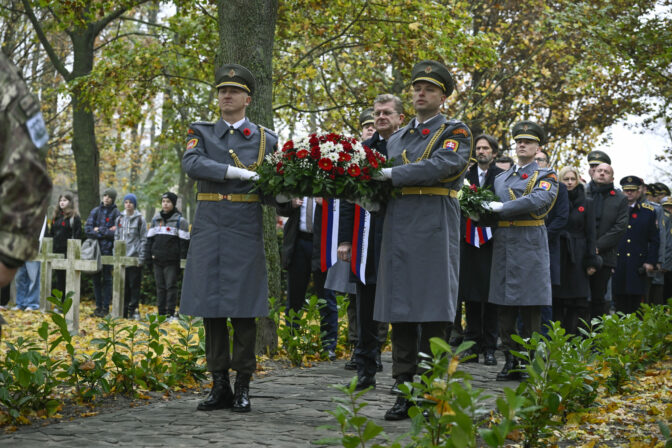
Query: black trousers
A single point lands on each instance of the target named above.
(598, 289)
(570, 312)
(507, 317)
(298, 275)
(409, 339)
(368, 342)
(132, 290)
(481, 325)
(627, 303)
(217, 351)
(166, 276)
(352, 320)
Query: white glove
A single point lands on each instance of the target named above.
(383, 174)
(493, 206)
(234, 172)
(282, 199)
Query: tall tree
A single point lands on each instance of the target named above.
(246, 36)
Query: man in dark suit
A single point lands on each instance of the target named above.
(388, 116)
(611, 220)
(476, 259)
(301, 258)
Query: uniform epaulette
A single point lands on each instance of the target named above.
(647, 206)
(273, 133)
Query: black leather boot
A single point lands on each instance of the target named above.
(221, 396)
(364, 382)
(510, 364)
(400, 409)
(351, 364)
(241, 394)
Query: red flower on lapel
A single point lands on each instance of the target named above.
(107, 219)
(425, 131)
(581, 209)
(523, 176)
(634, 216)
(168, 229)
(612, 192)
(247, 132)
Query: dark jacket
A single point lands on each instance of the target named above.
(556, 220)
(611, 220)
(347, 222)
(291, 233)
(105, 219)
(577, 247)
(62, 229)
(167, 239)
(475, 262)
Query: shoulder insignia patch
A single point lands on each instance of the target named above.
(460, 131)
(545, 185)
(552, 176)
(192, 143)
(450, 144)
(647, 206)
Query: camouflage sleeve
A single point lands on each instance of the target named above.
(24, 183)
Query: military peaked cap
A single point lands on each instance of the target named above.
(631, 183)
(435, 73)
(652, 189)
(666, 200)
(366, 117)
(596, 157)
(529, 130)
(662, 188)
(235, 75)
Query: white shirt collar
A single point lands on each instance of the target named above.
(424, 123)
(237, 124)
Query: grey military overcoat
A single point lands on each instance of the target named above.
(420, 255)
(225, 274)
(520, 274)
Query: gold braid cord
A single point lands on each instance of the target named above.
(428, 149)
(541, 216)
(260, 157)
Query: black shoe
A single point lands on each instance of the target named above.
(95, 313)
(394, 390)
(221, 396)
(472, 355)
(507, 373)
(489, 358)
(379, 363)
(351, 364)
(364, 382)
(400, 409)
(241, 394)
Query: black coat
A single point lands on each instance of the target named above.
(611, 222)
(577, 248)
(475, 262)
(346, 224)
(62, 229)
(290, 234)
(556, 220)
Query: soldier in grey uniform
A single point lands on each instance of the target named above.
(225, 276)
(419, 260)
(25, 186)
(520, 251)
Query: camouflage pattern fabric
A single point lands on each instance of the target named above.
(25, 186)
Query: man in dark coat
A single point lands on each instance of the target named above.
(595, 158)
(637, 251)
(388, 116)
(476, 260)
(225, 276)
(611, 221)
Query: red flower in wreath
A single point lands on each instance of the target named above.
(581, 209)
(301, 154)
(354, 170)
(425, 131)
(278, 168)
(612, 192)
(634, 216)
(315, 153)
(473, 187)
(247, 132)
(340, 170)
(325, 164)
(344, 157)
(524, 176)
(287, 146)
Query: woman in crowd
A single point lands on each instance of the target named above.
(65, 224)
(578, 256)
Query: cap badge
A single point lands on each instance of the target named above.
(526, 127)
(629, 179)
(428, 69)
(232, 73)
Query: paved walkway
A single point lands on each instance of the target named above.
(287, 409)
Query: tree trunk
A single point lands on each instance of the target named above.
(246, 34)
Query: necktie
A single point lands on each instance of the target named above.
(481, 178)
(309, 215)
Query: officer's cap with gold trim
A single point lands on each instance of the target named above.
(435, 73)
(596, 157)
(663, 189)
(652, 189)
(235, 75)
(631, 183)
(667, 200)
(529, 130)
(366, 117)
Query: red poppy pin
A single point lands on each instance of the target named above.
(107, 219)
(63, 223)
(523, 176)
(612, 192)
(634, 216)
(581, 209)
(168, 229)
(425, 131)
(247, 132)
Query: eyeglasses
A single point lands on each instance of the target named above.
(385, 113)
(540, 159)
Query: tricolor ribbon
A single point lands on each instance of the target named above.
(360, 243)
(477, 235)
(329, 233)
